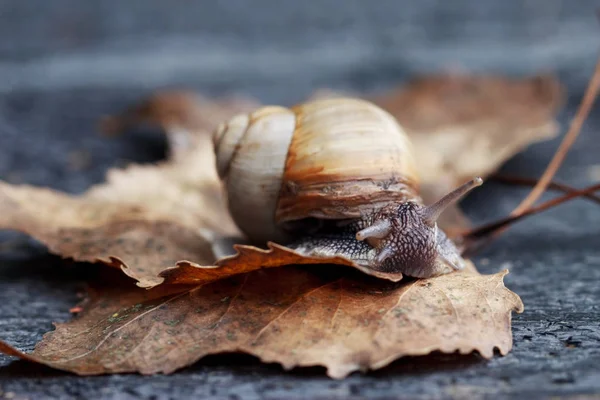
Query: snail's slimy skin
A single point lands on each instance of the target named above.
(411, 246)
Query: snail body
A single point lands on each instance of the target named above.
(333, 177)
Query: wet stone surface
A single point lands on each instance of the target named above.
(51, 98)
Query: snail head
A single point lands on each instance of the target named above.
(405, 237)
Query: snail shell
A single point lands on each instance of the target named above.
(330, 178)
(331, 159)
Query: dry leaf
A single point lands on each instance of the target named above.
(250, 258)
(90, 229)
(147, 218)
(144, 218)
(247, 259)
(292, 316)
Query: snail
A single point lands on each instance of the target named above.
(334, 177)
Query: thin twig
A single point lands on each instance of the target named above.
(584, 109)
(472, 241)
(517, 180)
(523, 208)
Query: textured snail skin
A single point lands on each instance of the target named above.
(414, 247)
(417, 248)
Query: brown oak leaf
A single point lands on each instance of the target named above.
(294, 316)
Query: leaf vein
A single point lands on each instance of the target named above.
(291, 305)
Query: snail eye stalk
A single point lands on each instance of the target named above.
(379, 230)
(431, 213)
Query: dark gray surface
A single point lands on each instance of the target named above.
(63, 64)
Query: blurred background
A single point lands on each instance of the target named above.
(282, 49)
(66, 63)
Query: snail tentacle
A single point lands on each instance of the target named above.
(409, 240)
(378, 230)
(433, 212)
